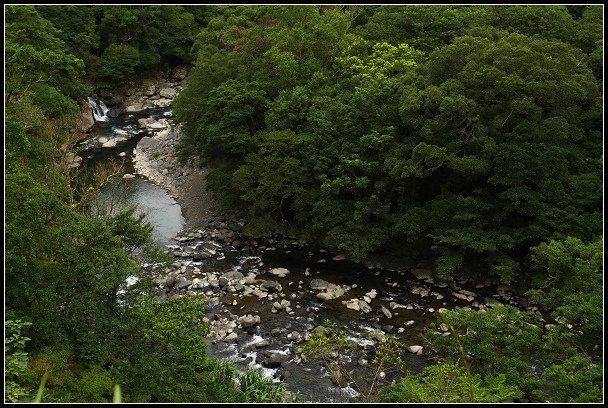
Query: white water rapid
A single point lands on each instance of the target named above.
(100, 110)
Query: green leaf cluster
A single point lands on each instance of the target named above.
(535, 362)
(468, 134)
(449, 383)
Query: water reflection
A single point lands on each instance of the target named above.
(162, 211)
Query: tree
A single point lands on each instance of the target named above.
(449, 383)
(537, 362)
(483, 108)
(16, 359)
(118, 64)
(35, 55)
(570, 286)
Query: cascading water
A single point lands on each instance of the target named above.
(100, 110)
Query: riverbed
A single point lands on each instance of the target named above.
(267, 297)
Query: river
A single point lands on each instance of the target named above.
(373, 300)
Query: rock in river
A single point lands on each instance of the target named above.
(280, 272)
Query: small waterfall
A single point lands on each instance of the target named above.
(100, 110)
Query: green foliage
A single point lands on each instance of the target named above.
(469, 134)
(15, 360)
(325, 342)
(166, 359)
(573, 276)
(535, 362)
(383, 61)
(118, 64)
(35, 55)
(134, 231)
(257, 388)
(61, 379)
(467, 107)
(64, 271)
(449, 383)
(114, 41)
(95, 385)
(424, 27)
(575, 380)
(480, 137)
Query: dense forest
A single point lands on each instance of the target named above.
(469, 136)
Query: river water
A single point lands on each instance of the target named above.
(411, 298)
(161, 210)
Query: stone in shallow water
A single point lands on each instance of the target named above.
(352, 304)
(280, 272)
(365, 308)
(262, 343)
(332, 292)
(249, 320)
(271, 286)
(259, 293)
(274, 360)
(234, 276)
(318, 284)
(295, 336)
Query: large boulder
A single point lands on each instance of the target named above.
(331, 292)
(145, 122)
(162, 102)
(136, 107)
(318, 284)
(233, 276)
(248, 320)
(72, 160)
(159, 124)
(271, 286)
(274, 360)
(87, 120)
(179, 73)
(280, 272)
(168, 93)
(415, 349)
(150, 91)
(358, 305)
(386, 312)
(116, 110)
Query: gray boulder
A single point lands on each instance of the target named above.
(169, 93)
(318, 284)
(271, 286)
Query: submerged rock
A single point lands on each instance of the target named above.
(331, 292)
(249, 320)
(280, 272)
(271, 286)
(317, 284)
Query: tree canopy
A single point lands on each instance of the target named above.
(460, 132)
